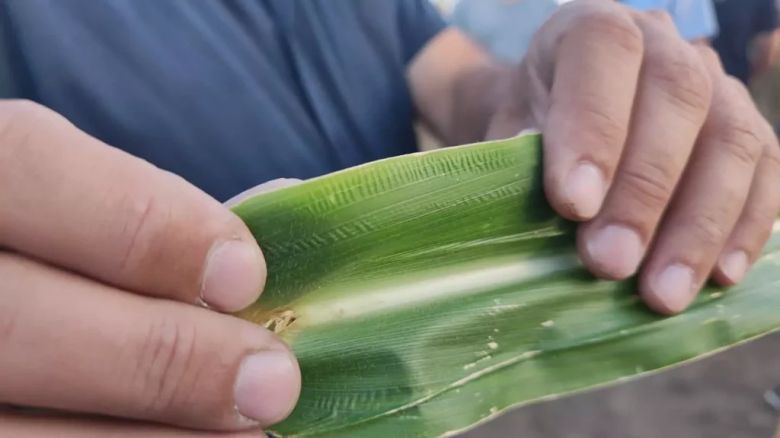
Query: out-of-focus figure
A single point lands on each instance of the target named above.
(746, 42)
(503, 27)
(506, 27)
(695, 19)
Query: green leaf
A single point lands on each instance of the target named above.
(426, 293)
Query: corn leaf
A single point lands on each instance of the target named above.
(426, 293)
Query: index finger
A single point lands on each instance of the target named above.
(73, 201)
(597, 64)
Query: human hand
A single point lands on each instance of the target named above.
(103, 260)
(662, 156)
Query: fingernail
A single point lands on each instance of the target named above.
(617, 251)
(673, 287)
(267, 386)
(585, 187)
(734, 265)
(234, 276)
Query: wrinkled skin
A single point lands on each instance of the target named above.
(661, 155)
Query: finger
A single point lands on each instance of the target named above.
(73, 201)
(755, 224)
(69, 343)
(26, 425)
(269, 186)
(595, 79)
(707, 204)
(672, 102)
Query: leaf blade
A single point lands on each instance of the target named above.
(428, 292)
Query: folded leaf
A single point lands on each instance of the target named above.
(426, 293)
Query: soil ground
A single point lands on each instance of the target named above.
(719, 397)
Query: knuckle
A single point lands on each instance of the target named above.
(757, 217)
(736, 133)
(737, 87)
(681, 77)
(743, 146)
(660, 15)
(168, 363)
(649, 184)
(18, 117)
(732, 92)
(707, 231)
(603, 128)
(612, 26)
(145, 222)
(21, 122)
(21, 109)
(710, 57)
(17, 294)
(18, 120)
(772, 158)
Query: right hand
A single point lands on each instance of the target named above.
(103, 260)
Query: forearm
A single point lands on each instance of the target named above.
(475, 98)
(457, 91)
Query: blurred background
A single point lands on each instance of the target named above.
(730, 395)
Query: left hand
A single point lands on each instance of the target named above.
(661, 155)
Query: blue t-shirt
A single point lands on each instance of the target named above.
(694, 19)
(227, 94)
(505, 28)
